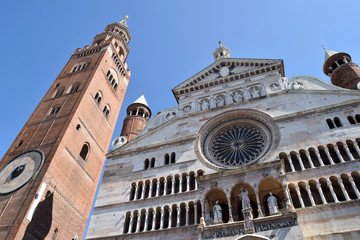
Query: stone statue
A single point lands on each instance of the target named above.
(220, 101)
(204, 105)
(255, 92)
(244, 197)
(217, 213)
(237, 96)
(273, 205)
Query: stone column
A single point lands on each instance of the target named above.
(180, 184)
(150, 190)
(173, 185)
(309, 159)
(338, 153)
(319, 157)
(340, 181)
(258, 203)
(170, 217)
(162, 218)
(146, 221)
(138, 222)
(165, 187)
(187, 183)
(299, 196)
(346, 147)
(178, 217)
(329, 184)
(196, 183)
(136, 192)
(187, 215)
(230, 209)
(290, 162)
(323, 199)
(328, 155)
(300, 160)
(355, 145)
(157, 188)
(308, 190)
(354, 186)
(153, 220)
(289, 205)
(131, 222)
(143, 191)
(195, 214)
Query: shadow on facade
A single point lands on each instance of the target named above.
(40, 224)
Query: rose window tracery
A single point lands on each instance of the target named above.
(238, 145)
(236, 139)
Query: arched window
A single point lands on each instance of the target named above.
(330, 123)
(55, 110)
(166, 159)
(74, 88)
(146, 164)
(98, 97)
(351, 120)
(357, 118)
(173, 157)
(152, 164)
(112, 78)
(84, 151)
(106, 110)
(59, 92)
(337, 122)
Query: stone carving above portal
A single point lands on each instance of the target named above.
(204, 104)
(237, 95)
(220, 100)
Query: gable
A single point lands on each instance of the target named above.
(227, 70)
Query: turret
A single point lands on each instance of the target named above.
(138, 114)
(341, 70)
(221, 52)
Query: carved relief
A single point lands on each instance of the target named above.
(237, 95)
(170, 115)
(204, 104)
(187, 109)
(274, 86)
(255, 91)
(220, 100)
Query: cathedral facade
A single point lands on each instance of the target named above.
(245, 154)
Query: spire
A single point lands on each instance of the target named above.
(221, 52)
(123, 22)
(329, 53)
(142, 100)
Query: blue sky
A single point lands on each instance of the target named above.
(171, 41)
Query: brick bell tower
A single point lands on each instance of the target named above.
(49, 175)
(341, 70)
(138, 114)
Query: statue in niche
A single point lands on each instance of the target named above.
(272, 204)
(297, 85)
(220, 101)
(237, 96)
(217, 213)
(204, 104)
(255, 92)
(244, 197)
(187, 109)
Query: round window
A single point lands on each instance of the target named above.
(236, 139)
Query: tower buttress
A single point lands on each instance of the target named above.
(341, 70)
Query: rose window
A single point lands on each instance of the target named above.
(238, 145)
(236, 139)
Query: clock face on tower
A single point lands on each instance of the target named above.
(20, 170)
